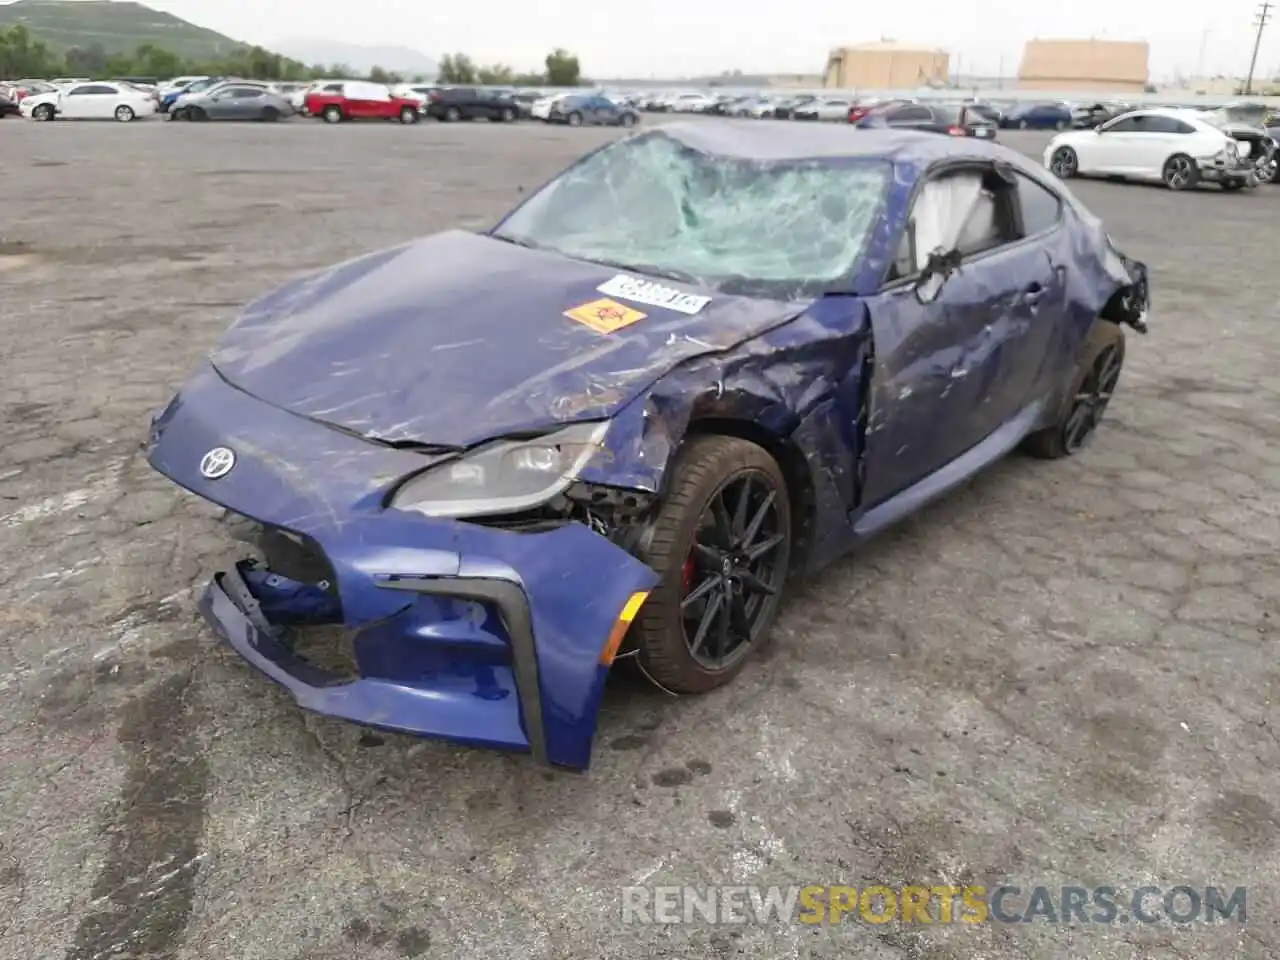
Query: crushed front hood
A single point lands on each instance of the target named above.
(459, 338)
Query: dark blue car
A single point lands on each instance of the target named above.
(591, 109)
(1038, 116)
(700, 363)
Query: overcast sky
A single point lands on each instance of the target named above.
(665, 38)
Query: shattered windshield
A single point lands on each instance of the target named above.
(653, 205)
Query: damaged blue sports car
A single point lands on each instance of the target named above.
(704, 360)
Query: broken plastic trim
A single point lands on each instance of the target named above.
(513, 607)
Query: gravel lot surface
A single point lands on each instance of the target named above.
(1061, 674)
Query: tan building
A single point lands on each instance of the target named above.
(1094, 66)
(885, 66)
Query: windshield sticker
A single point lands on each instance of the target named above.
(605, 316)
(653, 294)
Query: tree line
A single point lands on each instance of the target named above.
(22, 56)
(562, 70)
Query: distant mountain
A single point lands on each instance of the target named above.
(361, 59)
(118, 27)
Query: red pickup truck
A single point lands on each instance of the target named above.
(359, 100)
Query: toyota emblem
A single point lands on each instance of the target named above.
(217, 463)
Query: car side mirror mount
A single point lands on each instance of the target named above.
(937, 270)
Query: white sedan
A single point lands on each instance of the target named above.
(1175, 147)
(91, 101)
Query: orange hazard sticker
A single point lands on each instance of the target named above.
(604, 316)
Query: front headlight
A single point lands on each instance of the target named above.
(503, 477)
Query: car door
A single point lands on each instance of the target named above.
(77, 103)
(1109, 149)
(463, 99)
(223, 104)
(1145, 147)
(1162, 136)
(246, 103)
(89, 101)
(937, 385)
(358, 101)
(606, 111)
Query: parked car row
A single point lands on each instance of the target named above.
(1234, 145)
(198, 99)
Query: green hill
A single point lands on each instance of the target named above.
(116, 27)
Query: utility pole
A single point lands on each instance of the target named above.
(1264, 15)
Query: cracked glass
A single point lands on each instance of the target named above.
(654, 205)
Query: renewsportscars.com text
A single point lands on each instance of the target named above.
(933, 904)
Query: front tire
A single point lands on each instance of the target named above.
(124, 114)
(1064, 163)
(575, 119)
(1180, 172)
(452, 115)
(408, 115)
(1091, 390)
(721, 543)
(270, 115)
(332, 115)
(508, 115)
(44, 112)
(628, 120)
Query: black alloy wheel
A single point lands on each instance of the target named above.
(731, 572)
(1091, 402)
(722, 544)
(1091, 391)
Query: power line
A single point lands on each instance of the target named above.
(1264, 15)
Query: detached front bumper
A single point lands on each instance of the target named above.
(458, 631)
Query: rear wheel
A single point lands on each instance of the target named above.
(1091, 391)
(721, 543)
(332, 115)
(1180, 172)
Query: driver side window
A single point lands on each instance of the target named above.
(968, 211)
(1124, 125)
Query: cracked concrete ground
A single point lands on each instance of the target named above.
(1061, 674)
